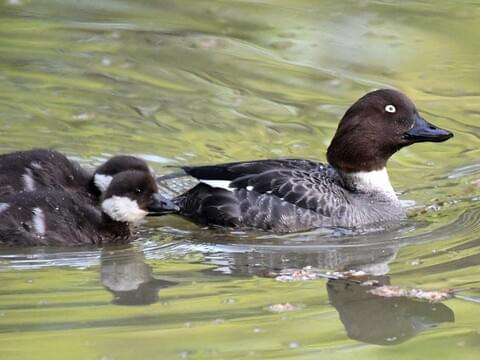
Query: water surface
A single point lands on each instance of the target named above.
(181, 82)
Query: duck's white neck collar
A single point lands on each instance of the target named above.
(370, 182)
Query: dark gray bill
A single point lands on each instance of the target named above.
(161, 205)
(424, 131)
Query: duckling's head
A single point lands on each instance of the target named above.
(133, 194)
(104, 173)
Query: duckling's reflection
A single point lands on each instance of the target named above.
(383, 321)
(125, 274)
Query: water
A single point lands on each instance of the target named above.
(181, 82)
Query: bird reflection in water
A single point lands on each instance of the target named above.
(125, 274)
(383, 321)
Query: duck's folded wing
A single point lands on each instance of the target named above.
(220, 176)
(232, 171)
(307, 184)
(314, 191)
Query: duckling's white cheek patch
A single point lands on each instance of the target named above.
(28, 182)
(102, 181)
(121, 208)
(38, 221)
(4, 207)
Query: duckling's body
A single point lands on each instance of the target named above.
(46, 169)
(56, 217)
(41, 169)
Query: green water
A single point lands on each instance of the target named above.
(191, 82)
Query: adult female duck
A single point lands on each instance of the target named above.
(294, 195)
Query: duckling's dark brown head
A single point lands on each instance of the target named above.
(133, 194)
(115, 165)
(375, 127)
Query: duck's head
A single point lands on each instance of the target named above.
(132, 195)
(375, 127)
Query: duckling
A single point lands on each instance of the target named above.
(66, 218)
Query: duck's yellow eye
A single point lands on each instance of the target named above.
(390, 108)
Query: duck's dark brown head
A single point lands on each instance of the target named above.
(375, 127)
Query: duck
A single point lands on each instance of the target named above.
(352, 190)
(67, 218)
(47, 169)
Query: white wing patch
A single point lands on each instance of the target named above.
(28, 182)
(102, 181)
(3, 207)
(124, 209)
(223, 184)
(36, 165)
(38, 221)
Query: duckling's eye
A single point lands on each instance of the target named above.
(390, 108)
(138, 190)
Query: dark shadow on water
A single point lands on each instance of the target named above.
(383, 321)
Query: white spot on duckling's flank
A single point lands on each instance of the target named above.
(28, 182)
(102, 182)
(223, 184)
(249, 188)
(390, 108)
(38, 221)
(3, 207)
(36, 165)
(121, 208)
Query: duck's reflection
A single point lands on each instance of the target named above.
(383, 321)
(262, 262)
(366, 317)
(125, 274)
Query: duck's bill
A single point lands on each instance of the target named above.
(423, 131)
(161, 206)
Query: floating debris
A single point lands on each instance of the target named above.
(294, 345)
(84, 116)
(280, 308)
(346, 275)
(370, 283)
(307, 273)
(363, 279)
(395, 291)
